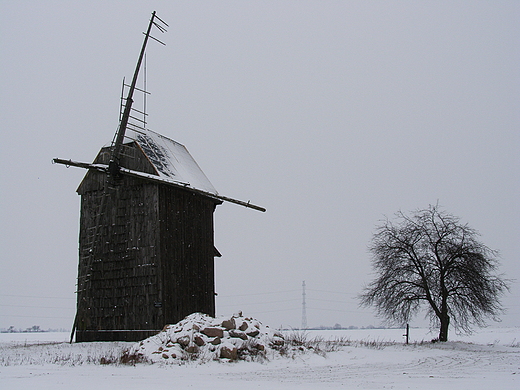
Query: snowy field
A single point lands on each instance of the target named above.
(374, 359)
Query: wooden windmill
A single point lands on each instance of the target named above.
(146, 247)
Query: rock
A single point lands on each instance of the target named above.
(243, 327)
(216, 341)
(253, 333)
(213, 332)
(184, 341)
(238, 334)
(165, 356)
(229, 353)
(192, 349)
(199, 341)
(277, 341)
(229, 324)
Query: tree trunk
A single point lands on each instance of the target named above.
(445, 323)
(444, 317)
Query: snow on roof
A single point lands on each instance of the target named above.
(171, 159)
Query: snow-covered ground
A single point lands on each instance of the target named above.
(374, 359)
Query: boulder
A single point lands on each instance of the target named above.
(183, 341)
(277, 341)
(229, 353)
(237, 334)
(260, 347)
(213, 332)
(199, 341)
(229, 324)
(253, 333)
(216, 341)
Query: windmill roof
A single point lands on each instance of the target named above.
(171, 160)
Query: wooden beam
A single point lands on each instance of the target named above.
(146, 176)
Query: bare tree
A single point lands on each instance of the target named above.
(431, 257)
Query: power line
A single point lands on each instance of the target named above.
(14, 315)
(326, 300)
(33, 296)
(38, 307)
(340, 311)
(258, 303)
(273, 311)
(332, 292)
(264, 293)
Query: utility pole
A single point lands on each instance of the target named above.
(304, 308)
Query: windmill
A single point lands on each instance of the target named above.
(146, 246)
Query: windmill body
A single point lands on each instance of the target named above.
(146, 250)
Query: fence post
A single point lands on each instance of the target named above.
(407, 335)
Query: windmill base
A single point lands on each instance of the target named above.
(83, 336)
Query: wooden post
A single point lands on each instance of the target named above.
(114, 158)
(407, 334)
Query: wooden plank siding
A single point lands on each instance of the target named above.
(188, 249)
(146, 255)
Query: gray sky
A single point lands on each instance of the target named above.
(331, 114)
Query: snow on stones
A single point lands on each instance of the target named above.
(202, 338)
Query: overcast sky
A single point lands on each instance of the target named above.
(331, 114)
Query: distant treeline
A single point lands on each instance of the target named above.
(33, 329)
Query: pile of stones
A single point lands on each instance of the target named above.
(203, 338)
